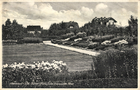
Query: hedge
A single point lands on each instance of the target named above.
(72, 38)
(32, 40)
(101, 47)
(56, 41)
(66, 35)
(9, 41)
(93, 45)
(116, 39)
(102, 38)
(84, 45)
(116, 64)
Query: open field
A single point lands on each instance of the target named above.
(29, 53)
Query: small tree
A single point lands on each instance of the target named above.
(133, 25)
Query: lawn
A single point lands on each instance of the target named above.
(29, 53)
(77, 62)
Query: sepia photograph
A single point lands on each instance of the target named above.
(78, 44)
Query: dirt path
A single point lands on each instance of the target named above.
(72, 49)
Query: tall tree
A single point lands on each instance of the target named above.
(133, 24)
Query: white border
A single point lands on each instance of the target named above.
(1, 1)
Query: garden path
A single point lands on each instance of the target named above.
(72, 48)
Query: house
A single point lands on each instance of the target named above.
(33, 29)
(103, 21)
(110, 21)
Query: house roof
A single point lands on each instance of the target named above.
(33, 28)
(110, 18)
(103, 19)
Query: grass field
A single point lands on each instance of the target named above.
(29, 53)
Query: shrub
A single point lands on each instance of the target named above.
(135, 40)
(72, 38)
(116, 39)
(102, 38)
(85, 38)
(67, 42)
(132, 41)
(20, 41)
(67, 35)
(101, 47)
(121, 42)
(9, 41)
(22, 73)
(93, 45)
(81, 34)
(32, 40)
(56, 41)
(84, 45)
(115, 63)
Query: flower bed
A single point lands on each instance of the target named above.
(36, 72)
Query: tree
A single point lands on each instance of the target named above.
(133, 25)
(8, 22)
(12, 30)
(7, 29)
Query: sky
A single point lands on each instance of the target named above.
(47, 13)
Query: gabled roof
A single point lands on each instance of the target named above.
(103, 19)
(110, 18)
(33, 28)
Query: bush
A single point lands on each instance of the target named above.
(102, 38)
(93, 45)
(101, 47)
(67, 42)
(22, 73)
(81, 34)
(85, 38)
(20, 41)
(135, 40)
(72, 38)
(32, 40)
(67, 35)
(115, 63)
(116, 39)
(56, 41)
(132, 41)
(9, 41)
(84, 45)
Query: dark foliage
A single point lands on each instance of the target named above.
(115, 63)
(102, 38)
(32, 40)
(116, 39)
(92, 46)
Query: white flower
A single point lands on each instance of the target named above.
(78, 39)
(15, 63)
(64, 64)
(120, 42)
(66, 39)
(106, 42)
(55, 65)
(5, 66)
(47, 64)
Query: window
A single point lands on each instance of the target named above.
(71, 27)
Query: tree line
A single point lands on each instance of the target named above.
(98, 26)
(13, 30)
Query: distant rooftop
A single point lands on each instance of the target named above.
(33, 28)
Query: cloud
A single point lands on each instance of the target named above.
(35, 13)
(102, 10)
(44, 13)
(87, 12)
(122, 15)
(101, 7)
